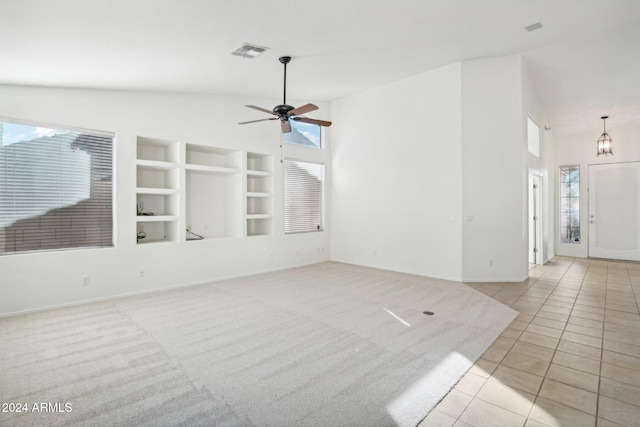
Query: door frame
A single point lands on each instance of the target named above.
(535, 218)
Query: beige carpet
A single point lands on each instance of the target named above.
(323, 345)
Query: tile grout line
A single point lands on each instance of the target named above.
(555, 350)
(474, 397)
(599, 279)
(603, 331)
(604, 317)
(567, 268)
(544, 377)
(633, 292)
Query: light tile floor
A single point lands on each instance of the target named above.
(570, 358)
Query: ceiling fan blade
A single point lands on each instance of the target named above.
(312, 121)
(285, 126)
(303, 109)
(264, 110)
(255, 121)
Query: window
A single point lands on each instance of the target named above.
(306, 134)
(55, 188)
(570, 204)
(533, 137)
(303, 196)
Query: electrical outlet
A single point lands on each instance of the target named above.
(86, 280)
(141, 273)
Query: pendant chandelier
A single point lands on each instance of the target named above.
(605, 143)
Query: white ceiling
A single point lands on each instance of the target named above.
(585, 60)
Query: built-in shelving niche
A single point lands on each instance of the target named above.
(213, 192)
(259, 195)
(157, 190)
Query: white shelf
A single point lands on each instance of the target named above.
(213, 170)
(259, 216)
(158, 191)
(256, 194)
(156, 218)
(258, 173)
(155, 164)
(212, 238)
(145, 241)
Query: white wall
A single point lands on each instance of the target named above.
(580, 149)
(544, 165)
(397, 190)
(426, 175)
(38, 280)
(494, 171)
(549, 196)
(430, 173)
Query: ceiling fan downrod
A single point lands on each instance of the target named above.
(285, 60)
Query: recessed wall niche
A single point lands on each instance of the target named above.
(189, 192)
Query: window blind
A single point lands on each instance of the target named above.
(55, 188)
(303, 196)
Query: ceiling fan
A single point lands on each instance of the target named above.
(285, 112)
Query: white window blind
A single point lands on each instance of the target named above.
(55, 188)
(303, 196)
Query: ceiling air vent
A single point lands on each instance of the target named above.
(249, 51)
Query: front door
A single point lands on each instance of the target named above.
(614, 216)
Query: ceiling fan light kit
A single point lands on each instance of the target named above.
(285, 112)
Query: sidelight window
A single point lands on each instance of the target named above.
(569, 204)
